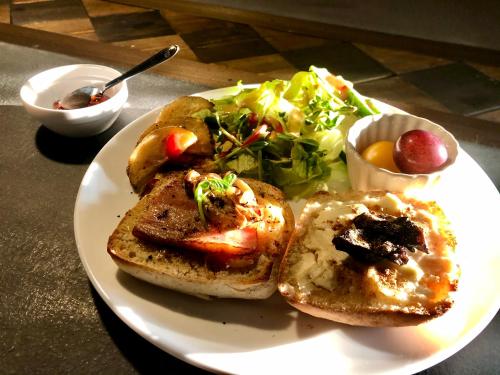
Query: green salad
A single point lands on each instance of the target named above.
(288, 133)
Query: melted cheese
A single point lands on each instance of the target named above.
(424, 276)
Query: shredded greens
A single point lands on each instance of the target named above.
(211, 186)
(288, 133)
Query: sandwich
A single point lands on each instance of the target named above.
(206, 235)
(370, 259)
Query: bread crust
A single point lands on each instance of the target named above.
(347, 303)
(188, 272)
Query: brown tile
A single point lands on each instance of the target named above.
(490, 116)
(4, 11)
(274, 65)
(490, 70)
(401, 61)
(154, 44)
(46, 11)
(231, 41)
(96, 8)
(58, 16)
(119, 27)
(284, 41)
(27, 1)
(81, 28)
(340, 58)
(285, 74)
(459, 87)
(395, 90)
(89, 34)
(184, 23)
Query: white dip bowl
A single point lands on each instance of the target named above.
(40, 92)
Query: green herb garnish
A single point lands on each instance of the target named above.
(301, 126)
(211, 186)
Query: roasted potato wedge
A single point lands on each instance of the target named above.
(158, 147)
(175, 113)
(203, 146)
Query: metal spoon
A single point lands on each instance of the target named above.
(81, 97)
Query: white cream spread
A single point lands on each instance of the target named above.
(409, 282)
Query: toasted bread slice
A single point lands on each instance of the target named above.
(197, 273)
(320, 280)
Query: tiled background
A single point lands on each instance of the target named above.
(460, 87)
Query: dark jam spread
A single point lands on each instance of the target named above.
(94, 99)
(372, 239)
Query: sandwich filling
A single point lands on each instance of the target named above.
(394, 250)
(210, 214)
(375, 238)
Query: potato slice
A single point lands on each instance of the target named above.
(203, 147)
(151, 153)
(174, 113)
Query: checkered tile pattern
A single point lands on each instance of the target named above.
(115, 28)
(399, 76)
(227, 42)
(340, 57)
(459, 87)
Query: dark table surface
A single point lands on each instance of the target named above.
(52, 320)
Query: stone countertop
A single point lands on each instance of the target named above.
(51, 318)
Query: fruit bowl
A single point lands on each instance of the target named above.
(365, 176)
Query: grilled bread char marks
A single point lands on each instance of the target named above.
(322, 281)
(172, 218)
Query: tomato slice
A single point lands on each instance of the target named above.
(339, 84)
(177, 141)
(253, 119)
(236, 241)
(274, 123)
(261, 131)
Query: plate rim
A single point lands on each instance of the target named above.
(174, 350)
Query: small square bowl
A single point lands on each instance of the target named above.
(40, 92)
(365, 176)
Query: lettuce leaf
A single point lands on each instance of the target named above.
(303, 156)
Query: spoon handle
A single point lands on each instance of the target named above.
(156, 59)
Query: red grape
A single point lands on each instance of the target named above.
(419, 151)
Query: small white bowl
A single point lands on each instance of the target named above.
(40, 92)
(365, 176)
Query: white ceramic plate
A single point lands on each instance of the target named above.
(269, 336)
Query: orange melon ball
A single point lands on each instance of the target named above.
(380, 154)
